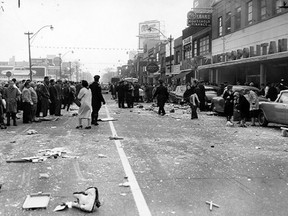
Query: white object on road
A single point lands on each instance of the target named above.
(211, 204)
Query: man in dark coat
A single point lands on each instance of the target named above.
(53, 97)
(97, 99)
(162, 96)
(200, 91)
(121, 91)
(45, 95)
(58, 87)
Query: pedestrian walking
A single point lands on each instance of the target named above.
(97, 99)
(27, 103)
(253, 100)
(243, 106)
(45, 96)
(228, 103)
(200, 91)
(34, 98)
(85, 110)
(11, 96)
(121, 94)
(272, 92)
(193, 102)
(2, 107)
(130, 95)
(162, 95)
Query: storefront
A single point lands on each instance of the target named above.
(258, 53)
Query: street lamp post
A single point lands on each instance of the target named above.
(29, 46)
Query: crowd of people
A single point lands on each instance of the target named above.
(246, 101)
(35, 99)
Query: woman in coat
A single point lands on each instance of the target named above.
(85, 109)
(11, 95)
(243, 106)
(229, 105)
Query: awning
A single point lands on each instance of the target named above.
(255, 59)
(182, 74)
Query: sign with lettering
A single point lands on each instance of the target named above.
(152, 67)
(199, 19)
(258, 50)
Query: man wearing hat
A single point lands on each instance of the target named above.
(97, 99)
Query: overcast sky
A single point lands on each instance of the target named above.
(96, 30)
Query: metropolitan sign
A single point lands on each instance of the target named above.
(199, 19)
(152, 67)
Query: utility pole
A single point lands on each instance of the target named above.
(170, 41)
(30, 65)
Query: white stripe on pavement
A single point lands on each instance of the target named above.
(141, 204)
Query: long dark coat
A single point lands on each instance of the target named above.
(162, 95)
(97, 97)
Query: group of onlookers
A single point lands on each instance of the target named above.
(246, 101)
(34, 99)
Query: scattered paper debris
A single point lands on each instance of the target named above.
(125, 184)
(115, 138)
(102, 156)
(35, 201)
(61, 207)
(30, 132)
(43, 175)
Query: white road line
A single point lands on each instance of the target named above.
(140, 201)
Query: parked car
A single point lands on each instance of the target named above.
(274, 112)
(217, 103)
(177, 95)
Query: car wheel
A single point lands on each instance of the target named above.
(262, 119)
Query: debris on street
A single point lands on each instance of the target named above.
(30, 132)
(107, 119)
(115, 138)
(43, 175)
(102, 156)
(36, 201)
(61, 207)
(211, 204)
(42, 156)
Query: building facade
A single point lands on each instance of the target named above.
(249, 42)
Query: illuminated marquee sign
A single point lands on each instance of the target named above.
(199, 19)
(258, 50)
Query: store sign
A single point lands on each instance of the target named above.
(187, 40)
(199, 19)
(258, 50)
(152, 67)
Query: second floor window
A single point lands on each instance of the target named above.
(204, 46)
(238, 18)
(263, 9)
(249, 13)
(220, 26)
(228, 23)
(187, 51)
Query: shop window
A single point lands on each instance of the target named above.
(263, 9)
(177, 57)
(220, 26)
(204, 46)
(195, 48)
(228, 23)
(238, 18)
(249, 13)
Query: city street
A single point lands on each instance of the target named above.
(173, 165)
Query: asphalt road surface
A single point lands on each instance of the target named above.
(173, 165)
